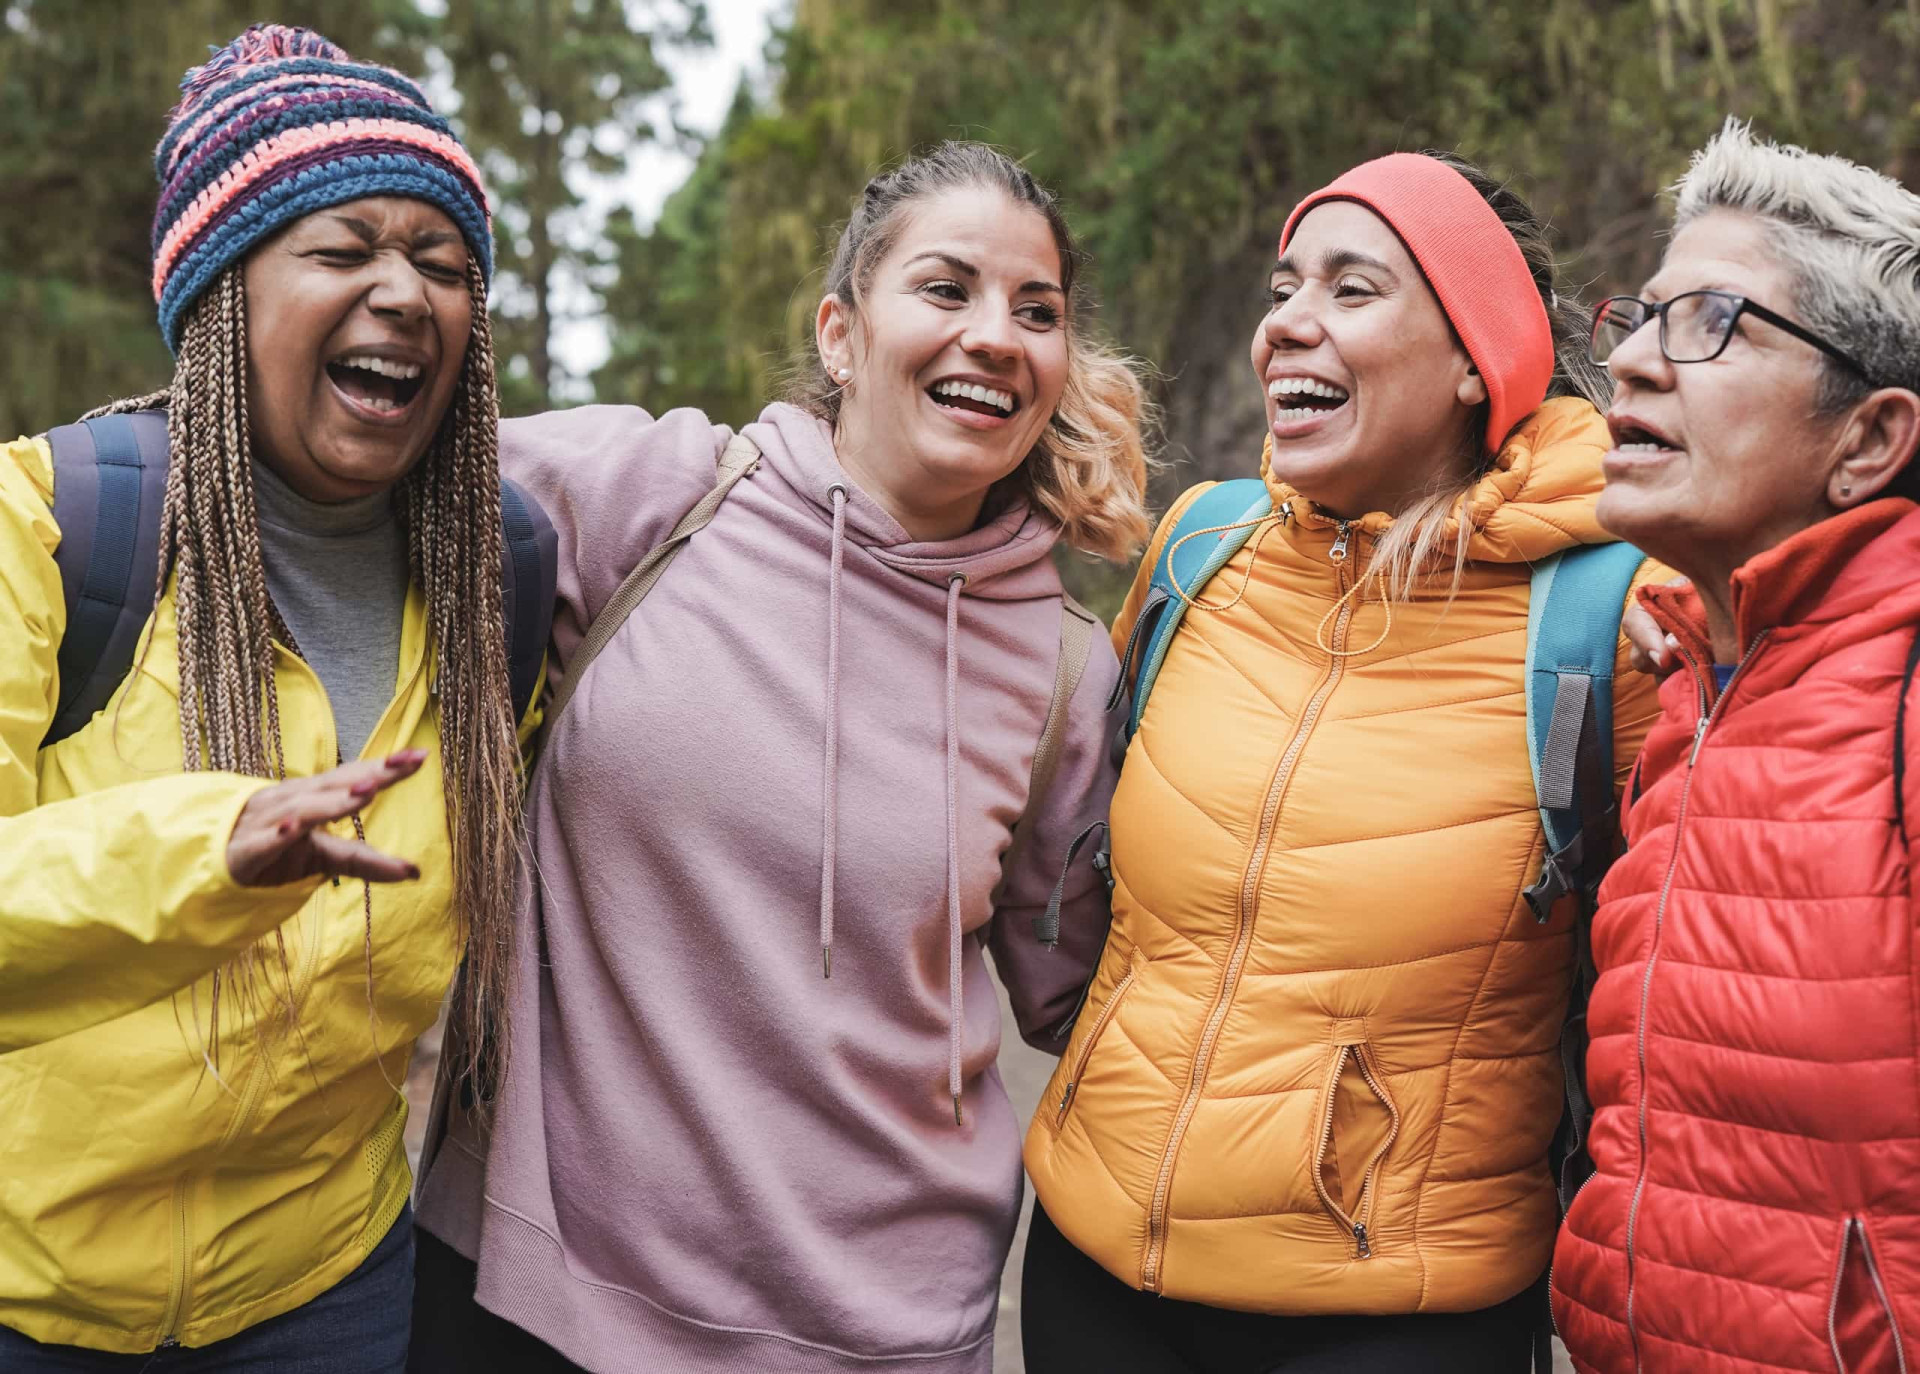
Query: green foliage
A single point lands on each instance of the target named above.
(548, 90)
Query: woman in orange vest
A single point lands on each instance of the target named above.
(1303, 1122)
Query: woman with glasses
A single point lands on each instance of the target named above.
(1755, 1026)
(1302, 1124)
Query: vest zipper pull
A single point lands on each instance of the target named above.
(1338, 554)
(1360, 1240)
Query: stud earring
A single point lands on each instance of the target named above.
(844, 374)
(1846, 489)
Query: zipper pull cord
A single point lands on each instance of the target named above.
(1272, 520)
(1337, 555)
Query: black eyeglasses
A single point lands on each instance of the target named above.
(1694, 327)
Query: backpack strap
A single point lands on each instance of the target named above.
(1573, 636)
(1078, 626)
(529, 577)
(739, 459)
(109, 480)
(1186, 568)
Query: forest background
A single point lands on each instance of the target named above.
(1178, 132)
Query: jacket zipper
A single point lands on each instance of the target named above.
(1243, 932)
(1363, 1210)
(1552, 1319)
(172, 1320)
(1707, 716)
(1093, 1038)
(1856, 1227)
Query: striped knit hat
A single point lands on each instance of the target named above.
(278, 124)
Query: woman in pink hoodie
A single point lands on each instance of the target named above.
(753, 1120)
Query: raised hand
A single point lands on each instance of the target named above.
(278, 837)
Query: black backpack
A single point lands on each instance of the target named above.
(110, 477)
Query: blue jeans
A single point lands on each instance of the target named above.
(358, 1326)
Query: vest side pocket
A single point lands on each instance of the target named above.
(1358, 1123)
(1071, 1090)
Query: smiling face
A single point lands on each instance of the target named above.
(1369, 394)
(958, 357)
(358, 318)
(1717, 461)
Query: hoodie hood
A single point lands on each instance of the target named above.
(1537, 499)
(1005, 558)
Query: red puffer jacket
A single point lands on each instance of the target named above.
(1755, 1060)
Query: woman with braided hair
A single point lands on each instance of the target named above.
(206, 1003)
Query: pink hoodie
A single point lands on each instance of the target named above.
(709, 1157)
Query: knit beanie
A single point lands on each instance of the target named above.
(1472, 264)
(281, 123)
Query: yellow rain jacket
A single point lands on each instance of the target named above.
(143, 1198)
(1318, 1068)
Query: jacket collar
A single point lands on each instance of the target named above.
(1537, 499)
(1833, 569)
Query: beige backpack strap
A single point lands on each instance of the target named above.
(1078, 625)
(737, 460)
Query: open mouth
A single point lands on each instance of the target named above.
(973, 398)
(1629, 437)
(1300, 398)
(382, 385)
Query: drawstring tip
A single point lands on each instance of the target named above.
(956, 1110)
(826, 961)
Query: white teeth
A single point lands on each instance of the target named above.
(385, 367)
(1304, 386)
(985, 395)
(1297, 413)
(1639, 448)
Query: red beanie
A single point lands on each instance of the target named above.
(1473, 266)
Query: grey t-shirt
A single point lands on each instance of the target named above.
(337, 573)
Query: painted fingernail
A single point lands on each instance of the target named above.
(413, 870)
(1673, 642)
(364, 789)
(406, 758)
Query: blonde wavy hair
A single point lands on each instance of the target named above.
(1089, 468)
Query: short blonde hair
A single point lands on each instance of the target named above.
(1848, 237)
(1088, 470)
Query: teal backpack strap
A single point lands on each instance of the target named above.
(1573, 636)
(1189, 566)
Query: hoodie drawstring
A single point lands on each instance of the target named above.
(830, 790)
(954, 584)
(830, 769)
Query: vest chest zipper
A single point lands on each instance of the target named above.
(1856, 1227)
(1150, 1277)
(1707, 716)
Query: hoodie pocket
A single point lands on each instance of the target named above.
(1100, 1024)
(1358, 1125)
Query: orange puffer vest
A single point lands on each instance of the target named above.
(1317, 1070)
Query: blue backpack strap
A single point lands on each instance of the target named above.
(109, 481)
(1573, 636)
(1190, 566)
(529, 573)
